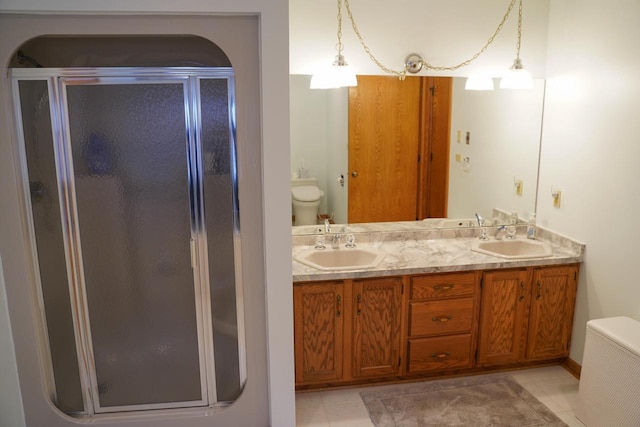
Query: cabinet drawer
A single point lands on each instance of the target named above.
(426, 354)
(440, 317)
(443, 285)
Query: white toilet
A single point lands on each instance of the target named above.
(305, 196)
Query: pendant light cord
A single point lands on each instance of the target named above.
(339, 46)
(402, 74)
(519, 31)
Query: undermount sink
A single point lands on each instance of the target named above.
(513, 249)
(341, 259)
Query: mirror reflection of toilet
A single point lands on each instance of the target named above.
(305, 196)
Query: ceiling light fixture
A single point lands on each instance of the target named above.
(517, 77)
(478, 82)
(413, 62)
(340, 74)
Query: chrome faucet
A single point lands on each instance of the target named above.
(502, 228)
(483, 229)
(335, 241)
(333, 237)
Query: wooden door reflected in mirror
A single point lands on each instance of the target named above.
(398, 148)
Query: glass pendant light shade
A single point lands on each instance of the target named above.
(478, 83)
(340, 74)
(517, 77)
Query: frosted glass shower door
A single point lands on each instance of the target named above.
(131, 155)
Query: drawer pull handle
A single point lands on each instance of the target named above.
(442, 319)
(441, 356)
(444, 287)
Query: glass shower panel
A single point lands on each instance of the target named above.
(129, 149)
(220, 211)
(45, 209)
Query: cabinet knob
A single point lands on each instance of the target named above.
(355, 174)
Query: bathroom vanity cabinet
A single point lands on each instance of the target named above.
(377, 316)
(346, 330)
(361, 330)
(318, 331)
(442, 313)
(526, 314)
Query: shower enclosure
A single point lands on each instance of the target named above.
(131, 187)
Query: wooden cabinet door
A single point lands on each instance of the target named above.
(377, 311)
(318, 331)
(551, 318)
(503, 317)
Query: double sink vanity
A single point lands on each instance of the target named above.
(412, 301)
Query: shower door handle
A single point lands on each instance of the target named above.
(194, 254)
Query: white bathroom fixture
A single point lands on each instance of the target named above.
(305, 196)
(610, 376)
(513, 249)
(341, 259)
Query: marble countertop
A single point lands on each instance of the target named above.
(433, 251)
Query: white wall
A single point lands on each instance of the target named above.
(274, 164)
(11, 413)
(394, 29)
(590, 150)
(319, 138)
(309, 132)
(337, 159)
(504, 126)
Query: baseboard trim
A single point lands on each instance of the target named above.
(572, 367)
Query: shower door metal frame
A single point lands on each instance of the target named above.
(57, 80)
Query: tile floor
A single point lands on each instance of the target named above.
(551, 385)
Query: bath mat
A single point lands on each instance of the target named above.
(487, 400)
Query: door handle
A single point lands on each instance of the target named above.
(354, 174)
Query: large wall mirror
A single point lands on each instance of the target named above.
(493, 148)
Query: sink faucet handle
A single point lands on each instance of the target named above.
(480, 220)
(319, 242)
(350, 240)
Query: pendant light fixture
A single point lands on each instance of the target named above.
(478, 82)
(340, 74)
(517, 77)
